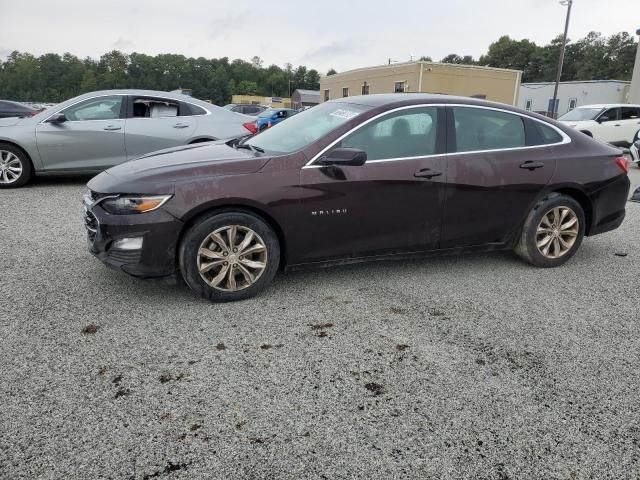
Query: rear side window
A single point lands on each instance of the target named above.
(630, 113)
(480, 129)
(547, 134)
(196, 110)
(408, 133)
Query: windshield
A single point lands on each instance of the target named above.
(306, 127)
(580, 114)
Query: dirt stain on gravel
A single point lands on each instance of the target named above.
(90, 329)
(122, 392)
(402, 347)
(375, 388)
(167, 377)
(397, 310)
(321, 326)
(171, 467)
(221, 346)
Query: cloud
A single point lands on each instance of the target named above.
(331, 51)
(220, 27)
(122, 44)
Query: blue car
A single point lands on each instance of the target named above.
(272, 116)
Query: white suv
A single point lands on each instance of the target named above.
(614, 124)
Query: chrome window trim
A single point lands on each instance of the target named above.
(565, 138)
(123, 95)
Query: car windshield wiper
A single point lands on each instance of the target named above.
(248, 146)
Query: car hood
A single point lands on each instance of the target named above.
(158, 171)
(11, 121)
(576, 123)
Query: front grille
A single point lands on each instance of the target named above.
(91, 224)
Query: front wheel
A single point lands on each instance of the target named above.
(552, 232)
(15, 167)
(229, 256)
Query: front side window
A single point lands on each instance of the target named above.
(101, 108)
(399, 87)
(407, 133)
(306, 127)
(480, 129)
(613, 114)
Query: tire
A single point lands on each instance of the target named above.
(572, 235)
(12, 159)
(242, 271)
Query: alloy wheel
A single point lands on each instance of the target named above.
(10, 167)
(232, 258)
(557, 232)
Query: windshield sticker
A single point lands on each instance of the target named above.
(346, 114)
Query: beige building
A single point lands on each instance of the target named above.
(275, 102)
(496, 84)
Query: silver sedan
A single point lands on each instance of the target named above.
(98, 130)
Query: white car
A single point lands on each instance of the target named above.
(616, 124)
(634, 150)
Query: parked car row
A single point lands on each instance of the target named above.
(95, 131)
(616, 124)
(10, 109)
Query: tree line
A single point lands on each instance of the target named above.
(593, 57)
(53, 78)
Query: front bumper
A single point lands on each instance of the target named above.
(159, 232)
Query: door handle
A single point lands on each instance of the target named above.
(426, 173)
(617, 125)
(111, 128)
(531, 166)
(180, 125)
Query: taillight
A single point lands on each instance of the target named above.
(34, 113)
(623, 164)
(251, 126)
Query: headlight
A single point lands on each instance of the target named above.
(133, 204)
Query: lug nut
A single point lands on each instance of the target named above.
(235, 250)
(226, 263)
(224, 254)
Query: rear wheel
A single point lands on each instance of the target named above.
(229, 256)
(15, 167)
(552, 232)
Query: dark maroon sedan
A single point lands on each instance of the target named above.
(362, 178)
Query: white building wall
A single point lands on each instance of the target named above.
(585, 93)
(634, 94)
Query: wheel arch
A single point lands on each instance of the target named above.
(584, 201)
(238, 205)
(22, 149)
(202, 140)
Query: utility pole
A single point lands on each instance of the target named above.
(568, 4)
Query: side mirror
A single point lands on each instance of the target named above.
(57, 118)
(603, 118)
(344, 156)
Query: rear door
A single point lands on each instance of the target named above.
(91, 138)
(155, 123)
(392, 203)
(494, 173)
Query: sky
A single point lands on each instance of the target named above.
(322, 34)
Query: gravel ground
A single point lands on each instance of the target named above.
(461, 367)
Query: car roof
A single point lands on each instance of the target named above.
(392, 99)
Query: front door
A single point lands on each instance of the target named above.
(91, 138)
(610, 128)
(495, 170)
(391, 204)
